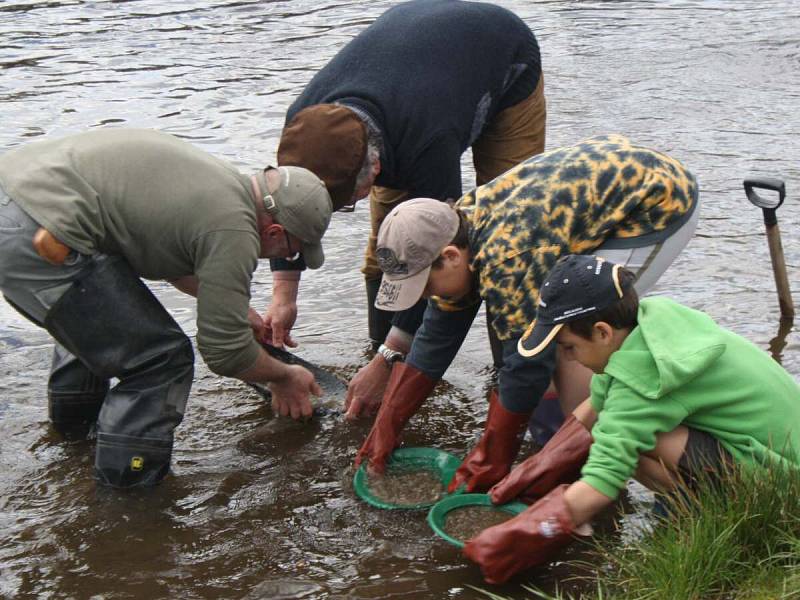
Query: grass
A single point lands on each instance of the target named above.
(735, 541)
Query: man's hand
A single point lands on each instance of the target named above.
(291, 393)
(282, 312)
(278, 322)
(256, 323)
(366, 389)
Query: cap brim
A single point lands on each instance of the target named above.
(400, 294)
(313, 255)
(537, 338)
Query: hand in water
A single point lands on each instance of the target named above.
(291, 394)
(278, 322)
(366, 389)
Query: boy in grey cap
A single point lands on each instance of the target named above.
(83, 218)
(605, 196)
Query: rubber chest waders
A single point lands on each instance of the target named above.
(111, 322)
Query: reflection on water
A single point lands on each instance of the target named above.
(260, 507)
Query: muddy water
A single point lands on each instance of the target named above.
(405, 487)
(465, 523)
(259, 507)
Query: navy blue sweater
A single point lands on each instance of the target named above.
(431, 74)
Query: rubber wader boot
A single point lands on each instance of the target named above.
(379, 321)
(112, 322)
(74, 395)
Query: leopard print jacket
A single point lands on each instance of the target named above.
(566, 201)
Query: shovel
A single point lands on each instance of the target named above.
(769, 207)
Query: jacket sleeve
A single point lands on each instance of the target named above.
(439, 338)
(626, 427)
(224, 265)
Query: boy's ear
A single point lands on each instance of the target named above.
(451, 253)
(603, 331)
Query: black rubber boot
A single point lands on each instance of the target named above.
(74, 395)
(379, 321)
(112, 322)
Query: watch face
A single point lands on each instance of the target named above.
(391, 356)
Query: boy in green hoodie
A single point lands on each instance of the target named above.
(673, 394)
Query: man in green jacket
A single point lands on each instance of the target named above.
(673, 394)
(83, 218)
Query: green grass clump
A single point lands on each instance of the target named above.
(716, 542)
(736, 540)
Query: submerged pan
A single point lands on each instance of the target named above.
(437, 516)
(333, 388)
(442, 464)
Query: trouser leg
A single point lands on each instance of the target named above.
(111, 322)
(74, 394)
(381, 201)
(31, 286)
(378, 321)
(514, 135)
(495, 344)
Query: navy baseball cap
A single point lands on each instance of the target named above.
(577, 286)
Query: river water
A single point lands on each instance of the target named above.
(259, 507)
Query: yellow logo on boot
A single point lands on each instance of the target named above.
(137, 463)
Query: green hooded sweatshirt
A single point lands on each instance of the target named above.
(678, 367)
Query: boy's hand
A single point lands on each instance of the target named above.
(491, 459)
(560, 461)
(406, 391)
(529, 539)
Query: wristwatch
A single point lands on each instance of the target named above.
(389, 355)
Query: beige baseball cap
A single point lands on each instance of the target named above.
(303, 206)
(411, 238)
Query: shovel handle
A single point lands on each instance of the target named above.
(773, 235)
(768, 208)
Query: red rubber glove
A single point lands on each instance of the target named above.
(560, 461)
(405, 392)
(529, 539)
(491, 459)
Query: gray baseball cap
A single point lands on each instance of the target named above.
(303, 206)
(411, 238)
